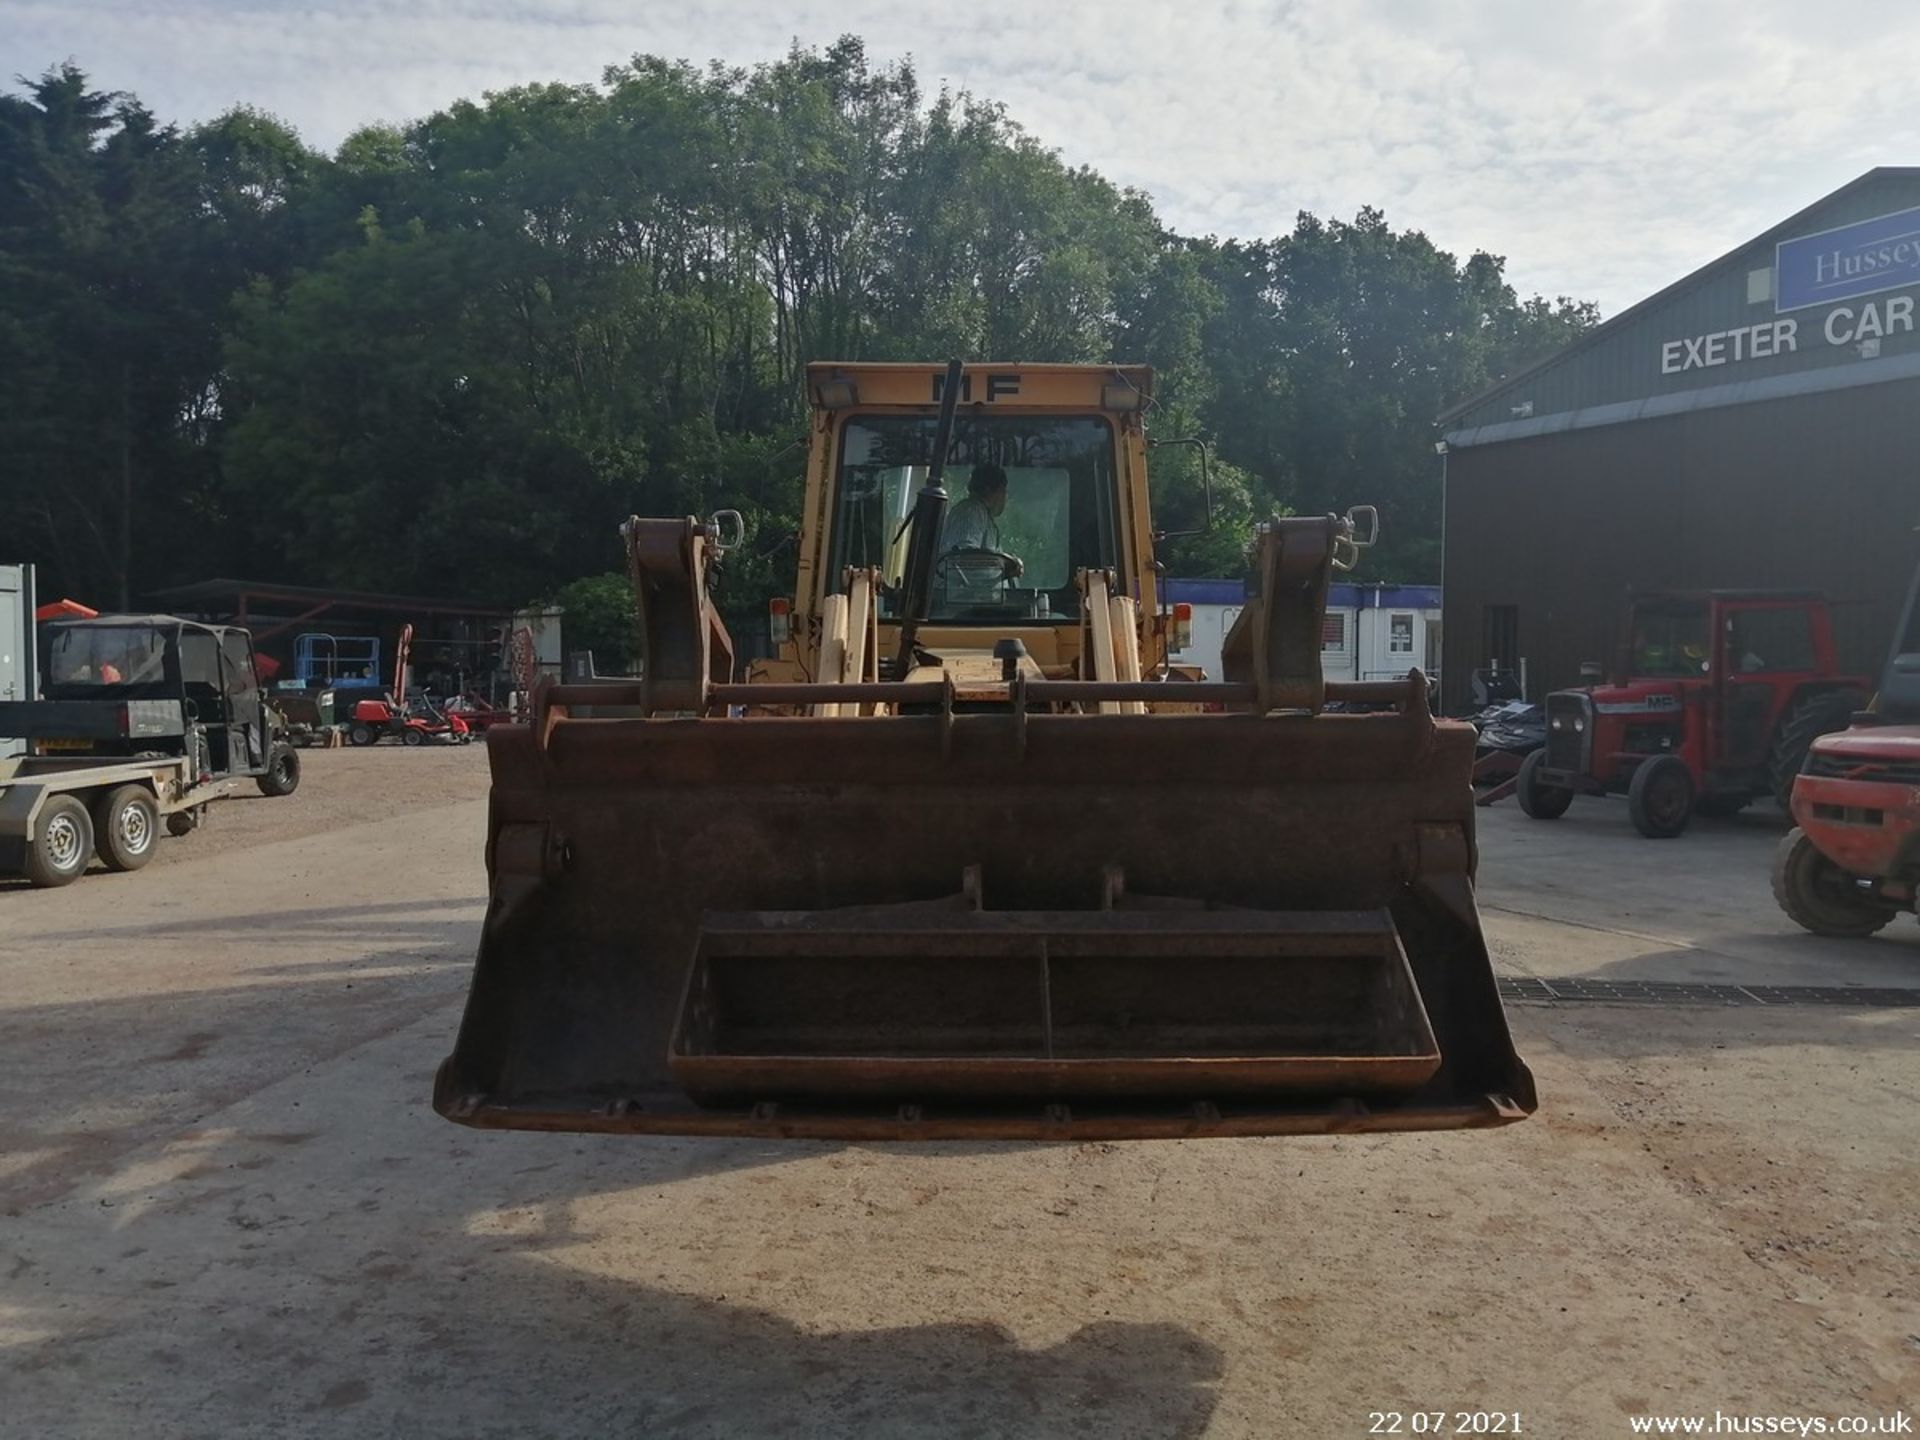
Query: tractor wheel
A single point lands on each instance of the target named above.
(361, 733)
(1818, 895)
(411, 736)
(283, 771)
(1660, 797)
(1805, 723)
(126, 827)
(1540, 801)
(62, 844)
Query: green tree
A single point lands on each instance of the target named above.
(452, 356)
(600, 616)
(1338, 346)
(109, 320)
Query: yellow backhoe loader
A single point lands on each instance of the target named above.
(969, 856)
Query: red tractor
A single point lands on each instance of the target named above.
(1852, 861)
(1716, 702)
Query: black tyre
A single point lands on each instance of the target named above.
(1660, 797)
(62, 843)
(126, 827)
(1818, 895)
(361, 733)
(1806, 722)
(411, 736)
(183, 822)
(1540, 801)
(283, 771)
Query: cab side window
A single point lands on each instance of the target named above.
(1769, 641)
(200, 670)
(238, 676)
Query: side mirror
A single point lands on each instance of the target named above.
(1362, 529)
(726, 530)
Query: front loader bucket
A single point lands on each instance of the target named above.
(983, 925)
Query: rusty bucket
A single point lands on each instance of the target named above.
(983, 925)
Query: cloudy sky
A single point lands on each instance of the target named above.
(1604, 146)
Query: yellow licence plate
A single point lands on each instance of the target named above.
(49, 746)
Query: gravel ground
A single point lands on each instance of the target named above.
(229, 1210)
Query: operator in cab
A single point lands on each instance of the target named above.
(971, 535)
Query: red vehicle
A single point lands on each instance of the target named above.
(1719, 697)
(414, 723)
(1852, 861)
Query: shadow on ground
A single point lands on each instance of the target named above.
(348, 925)
(317, 1283)
(714, 1369)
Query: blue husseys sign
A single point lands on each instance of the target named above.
(1859, 259)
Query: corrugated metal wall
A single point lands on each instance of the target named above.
(1819, 491)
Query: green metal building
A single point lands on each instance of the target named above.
(1754, 425)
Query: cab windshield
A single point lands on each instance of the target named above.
(107, 655)
(1008, 551)
(1670, 638)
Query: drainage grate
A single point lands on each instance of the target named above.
(1661, 992)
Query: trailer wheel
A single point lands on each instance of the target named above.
(183, 822)
(62, 844)
(1538, 800)
(1805, 723)
(283, 771)
(1818, 895)
(361, 733)
(126, 827)
(1660, 798)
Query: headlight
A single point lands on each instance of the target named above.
(1579, 724)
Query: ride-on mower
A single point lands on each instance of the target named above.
(1714, 705)
(412, 723)
(1852, 861)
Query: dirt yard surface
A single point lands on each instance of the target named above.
(338, 788)
(229, 1210)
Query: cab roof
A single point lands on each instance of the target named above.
(141, 622)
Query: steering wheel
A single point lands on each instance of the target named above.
(1010, 565)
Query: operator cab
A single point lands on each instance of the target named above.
(1008, 552)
